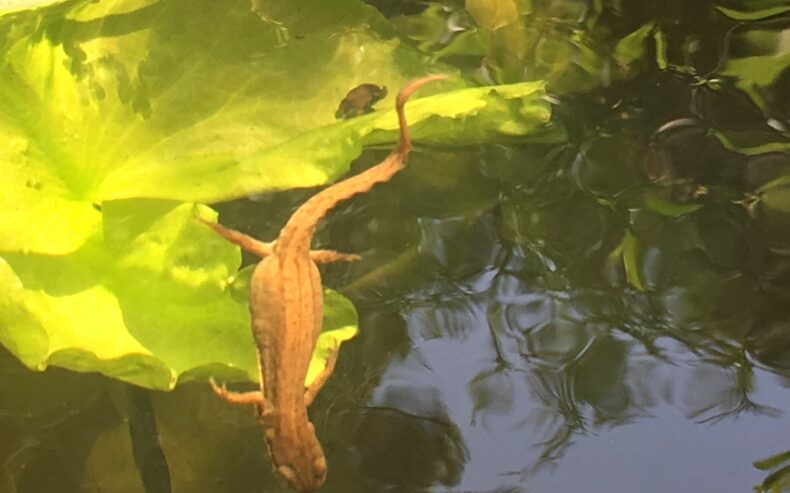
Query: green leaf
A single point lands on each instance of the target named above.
(200, 102)
(777, 198)
(11, 6)
(782, 181)
(754, 74)
(628, 249)
(321, 155)
(732, 142)
(493, 14)
(667, 208)
(760, 70)
(772, 461)
(661, 48)
(150, 302)
(778, 480)
(633, 47)
(754, 15)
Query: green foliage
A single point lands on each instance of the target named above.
(128, 301)
(11, 6)
(628, 250)
(634, 46)
(775, 194)
(119, 117)
(778, 480)
(754, 14)
(667, 208)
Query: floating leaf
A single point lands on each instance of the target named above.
(320, 155)
(117, 116)
(148, 302)
(98, 110)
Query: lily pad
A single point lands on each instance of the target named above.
(159, 102)
(154, 300)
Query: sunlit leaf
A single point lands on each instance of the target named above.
(101, 110)
(110, 96)
(126, 303)
(317, 156)
(11, 6)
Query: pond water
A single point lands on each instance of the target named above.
(608, 312)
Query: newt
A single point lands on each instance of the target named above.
(286, 308)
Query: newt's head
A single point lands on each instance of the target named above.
(297, 456)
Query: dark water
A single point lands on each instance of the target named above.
(607, 314)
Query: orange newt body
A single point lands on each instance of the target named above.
(286, 308)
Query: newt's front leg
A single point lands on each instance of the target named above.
(246, 242)
(264, 249)
(252, 397)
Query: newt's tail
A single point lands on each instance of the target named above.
(298, 231)
(404, 142)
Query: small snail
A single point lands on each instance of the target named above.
(360, 100)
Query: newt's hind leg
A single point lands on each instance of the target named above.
(329, 256)
(312, 391)
(248, 243)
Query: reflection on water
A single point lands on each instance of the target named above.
(612, 313)
(413, 421)
(527, 372)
